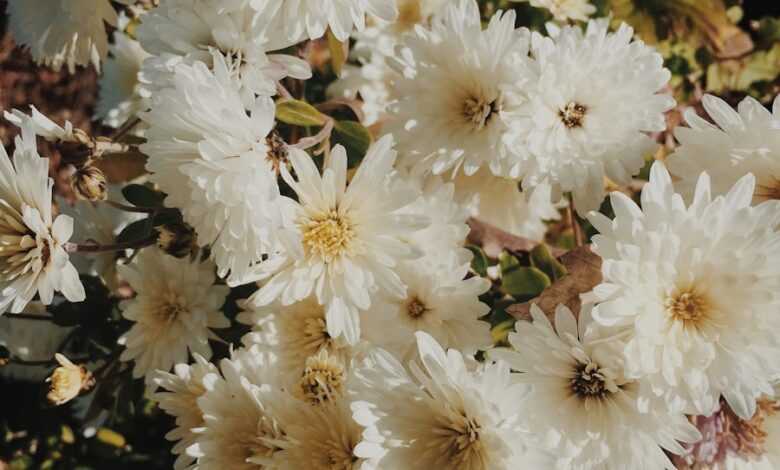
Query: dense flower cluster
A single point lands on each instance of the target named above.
(312, 301)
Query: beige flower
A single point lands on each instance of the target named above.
(67, 381)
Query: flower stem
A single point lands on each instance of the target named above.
(127, 208)
(95, 248)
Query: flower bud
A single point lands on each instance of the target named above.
(67, 381)
(89, 183)
(177, 239)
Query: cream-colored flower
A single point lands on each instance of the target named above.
(67, 381)
(175, 307)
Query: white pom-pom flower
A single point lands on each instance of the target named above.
(696, 289)
(203, 145)
(451, 91)
(588, 111)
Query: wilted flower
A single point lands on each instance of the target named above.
(67, 381)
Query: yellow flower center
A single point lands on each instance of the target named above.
(323, 378)
(689, 307)
(328, 236)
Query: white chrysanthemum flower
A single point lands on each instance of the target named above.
(342, 242)
(499, 202)
(202, 147)
(180, 31)
(326, 437)
(743, 141)
(439, 301)
(295, 333)
(33, 259)
(30, 340)
(121, 97)
(696, 288)
(451, 91)
(582, 407)
(297, 20)
(443, 415)
(63, 32)
(241, 431)
(179, 399)
(175, 306)
(589, 109)
(100, 223)
(565, 10)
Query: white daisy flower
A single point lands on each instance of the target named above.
(178, 31)
(451, 92)
(589, 109)
(298, 20)
(63, 32)
(499, 202)
(565, 10)
(175, 306)
(202, 146)
(342, 242)
(100, 223)
(443, 415)
(30, 340)
(121, 96)
(241, 431)
(439, 301)
(582, 407)
(33, 259)
(696, 289)
(179, 399)
(743, 141)
(295, 333)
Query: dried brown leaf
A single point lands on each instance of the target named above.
(584, 273)
(493, 240)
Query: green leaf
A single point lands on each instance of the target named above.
(168, 216)
(137, 231)
(299, 113)
(507, 261)
(355, 138)
(338, 52)
(479, 263)
(524, 283)
(143, 196)
(542, 259)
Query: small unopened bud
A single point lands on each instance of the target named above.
(176, 239)
(89, 183)
(67, 381)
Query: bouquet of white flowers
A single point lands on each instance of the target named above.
(392, 235)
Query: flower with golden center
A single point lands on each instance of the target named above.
(344, 242)
(695, 290)
(443, 414)
(581, 406)
(67, 381)
(176, 305)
